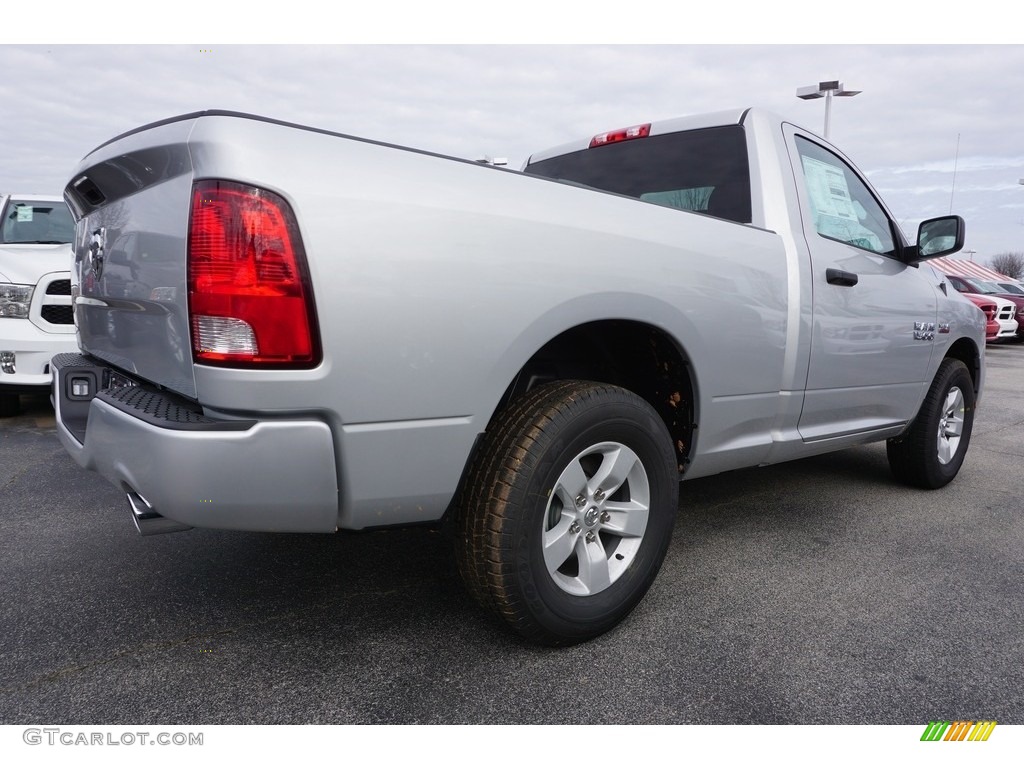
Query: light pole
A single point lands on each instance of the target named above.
(828, 89)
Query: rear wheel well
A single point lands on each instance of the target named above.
(628, 354)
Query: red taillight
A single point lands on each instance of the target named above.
(623, 134)
(249, 295)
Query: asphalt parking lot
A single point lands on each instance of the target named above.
(818, 591)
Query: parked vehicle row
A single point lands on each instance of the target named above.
(1008, 299)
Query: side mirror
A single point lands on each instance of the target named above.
(938, 237)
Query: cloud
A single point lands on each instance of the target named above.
(961, 165)
(917, 101)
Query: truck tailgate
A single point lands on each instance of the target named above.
(132, 201)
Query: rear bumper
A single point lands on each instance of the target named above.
(253, 475)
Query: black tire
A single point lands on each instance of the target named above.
(10, 405)
(930, 453)
(603, 546)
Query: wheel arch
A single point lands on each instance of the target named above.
(967, 352)
(631, 354)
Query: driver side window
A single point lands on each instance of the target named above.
(843, 207)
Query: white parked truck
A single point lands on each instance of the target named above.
(36, 319)
(288, 329)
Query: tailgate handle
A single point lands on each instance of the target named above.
(838, 277)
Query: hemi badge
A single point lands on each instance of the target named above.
(943, 327)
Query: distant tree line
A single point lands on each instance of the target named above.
(1009, 264)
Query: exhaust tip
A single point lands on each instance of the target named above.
(149, 522)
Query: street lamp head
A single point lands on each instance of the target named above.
(825, 87)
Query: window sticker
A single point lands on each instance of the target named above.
(25, 212)
(836, 214)
(829, 191)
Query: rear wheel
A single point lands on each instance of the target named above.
(568, 510)
(932, 450)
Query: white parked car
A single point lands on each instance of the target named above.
(36, 319)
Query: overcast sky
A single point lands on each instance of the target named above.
(935, 127)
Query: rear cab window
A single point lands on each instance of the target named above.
(705, 170)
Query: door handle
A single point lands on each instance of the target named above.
(838, 277)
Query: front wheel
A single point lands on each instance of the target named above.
(932, 450)
(568, 510)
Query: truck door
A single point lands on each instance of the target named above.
(873, 316)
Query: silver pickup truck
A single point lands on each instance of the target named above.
(287, 329)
